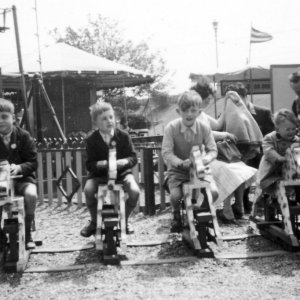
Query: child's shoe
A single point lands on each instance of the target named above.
(238, 214)
(129, 229)
(89, 229)
(221, 217)
(29, 243)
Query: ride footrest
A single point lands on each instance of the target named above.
(108, 211)
(110, 222)
(203, 217)
(111, 259)
(11, 226)
(263, 224)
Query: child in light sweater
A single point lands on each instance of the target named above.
(179, 137)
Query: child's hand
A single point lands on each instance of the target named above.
(206, 160)
(122, 163)
(234, 96)
(185, 165)
(101, 164)
(15, 169)
(231, 137)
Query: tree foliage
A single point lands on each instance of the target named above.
(104, 37)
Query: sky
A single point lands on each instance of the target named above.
(181, 30)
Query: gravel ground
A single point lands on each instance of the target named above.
(263, 278)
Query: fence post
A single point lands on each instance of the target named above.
(68, 162)
(58, 165)
(149, 181)
(142, 166)
(49, 176)
(40, 176)
(161, 169)
(79, 176)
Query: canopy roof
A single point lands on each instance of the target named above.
(246, 73)
(62, 60)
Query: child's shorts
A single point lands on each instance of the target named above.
(21, 184)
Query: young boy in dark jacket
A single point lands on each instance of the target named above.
(97, 147)
(18, 148)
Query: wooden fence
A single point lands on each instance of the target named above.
(52, 163)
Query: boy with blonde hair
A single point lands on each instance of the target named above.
(97, 147)
(179, 137)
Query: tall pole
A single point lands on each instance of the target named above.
(1, 84)
(23, 84)
(63, 104)
(249, 62)
(215, 26)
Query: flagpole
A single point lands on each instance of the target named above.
(249, 57)
(249, 62)
(256, 36)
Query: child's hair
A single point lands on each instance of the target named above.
(189, 99)
(6, 106)
(284, 114)
(98, 108)
(238, 87)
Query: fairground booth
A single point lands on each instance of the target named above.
(70, 77)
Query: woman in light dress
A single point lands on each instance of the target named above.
(231, 178)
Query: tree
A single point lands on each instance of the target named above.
(104, 37)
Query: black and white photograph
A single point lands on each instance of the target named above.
(149, 149)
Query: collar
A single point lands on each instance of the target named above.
(6, 135)
(184, 128)
(110, 134)
(251, 108)
(295, 138)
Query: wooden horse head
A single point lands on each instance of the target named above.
(112, 165)
(291, 168)
(197, 170)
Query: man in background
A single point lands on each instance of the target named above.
(294, 79)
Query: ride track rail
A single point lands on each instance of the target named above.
(124, 263)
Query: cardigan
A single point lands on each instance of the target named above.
(21, 151)
(97, 150)
(176, 149)
(270, 170)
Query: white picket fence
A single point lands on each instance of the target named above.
(149, 173)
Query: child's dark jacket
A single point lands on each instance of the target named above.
(21, 151)
(98, 150)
